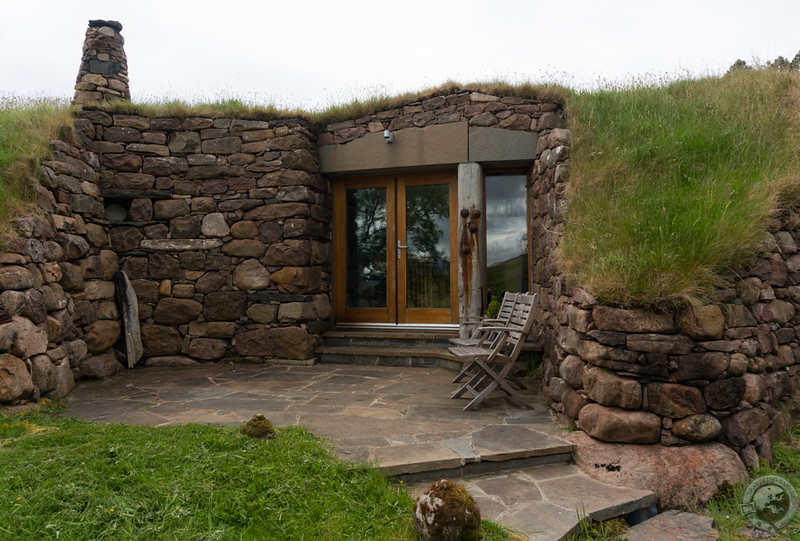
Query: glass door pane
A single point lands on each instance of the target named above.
(506, 234)
(365, 230)
(428, 240)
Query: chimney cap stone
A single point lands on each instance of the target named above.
(98, 23)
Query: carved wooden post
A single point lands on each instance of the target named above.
(471, 244)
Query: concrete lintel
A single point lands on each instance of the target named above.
(497, 145)
(440, 144)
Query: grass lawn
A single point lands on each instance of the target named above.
(70, 479)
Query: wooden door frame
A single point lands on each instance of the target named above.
(366, 315)
(390, 314)
(428, 315)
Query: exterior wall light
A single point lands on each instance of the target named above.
(389, 136)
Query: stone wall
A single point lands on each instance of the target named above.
(222, 225)
(479, 109)
(712, 373)
(58, 319)
(548, 182)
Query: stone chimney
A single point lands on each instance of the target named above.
(104, 69)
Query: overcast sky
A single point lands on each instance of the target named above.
(314, 53)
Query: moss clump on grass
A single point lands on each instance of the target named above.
(447, 512)
(259, 427)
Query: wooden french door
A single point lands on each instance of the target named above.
(395, 240)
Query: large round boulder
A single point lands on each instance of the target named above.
(680, 476)
(15, 381)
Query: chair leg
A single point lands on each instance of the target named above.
(471, 385)
(495, 380)
(504, 374)
(481, 396)
(465, 372)
(521, 386)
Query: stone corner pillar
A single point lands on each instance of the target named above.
(471, 245)
(103, 74)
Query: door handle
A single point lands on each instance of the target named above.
(399, 247)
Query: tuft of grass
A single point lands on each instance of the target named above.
(613, 529)
(671, 186)
(26, 128)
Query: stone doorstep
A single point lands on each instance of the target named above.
(493, 447)
(404, 357)
(474, 468)
(434, 353)
(672, 525)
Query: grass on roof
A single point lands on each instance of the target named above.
(671, 187)
(234, 108)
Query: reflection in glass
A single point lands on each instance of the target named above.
(428, 239)
(506, 234)
(366, 248)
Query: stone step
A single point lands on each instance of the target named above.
(547, 502)
(674, 526)
(394, 348)
(492, 448)
(412, 339)
(389, 356)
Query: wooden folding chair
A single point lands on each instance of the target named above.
(489, 367)
(484, 337)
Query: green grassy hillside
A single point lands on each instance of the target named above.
(26, 128)
(671, 187)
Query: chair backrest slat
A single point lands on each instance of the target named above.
(507, 306)
(519, 323)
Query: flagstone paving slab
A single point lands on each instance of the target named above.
(405, 406)
(400, 418)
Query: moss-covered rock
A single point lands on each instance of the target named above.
(259, 427)
(447, 512)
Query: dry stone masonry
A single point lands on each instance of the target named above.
(714, 373)
(479, 109)
(222, 227)
(58, 318)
